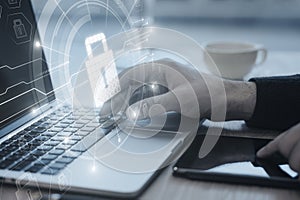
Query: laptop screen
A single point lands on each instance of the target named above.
(25, 82)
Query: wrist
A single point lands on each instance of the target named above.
(241, 99)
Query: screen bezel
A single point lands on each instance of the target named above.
(45, 105)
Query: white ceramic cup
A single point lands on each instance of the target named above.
(233, 60)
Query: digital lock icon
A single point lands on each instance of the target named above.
(19, 29)
(101, 70)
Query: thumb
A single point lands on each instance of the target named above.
(153, 106)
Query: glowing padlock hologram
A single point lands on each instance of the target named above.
(102, 71)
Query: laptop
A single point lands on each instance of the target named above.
(51, 145)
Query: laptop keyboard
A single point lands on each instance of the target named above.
(53, 142)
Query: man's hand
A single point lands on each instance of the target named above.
(288, 144)
(191, 93)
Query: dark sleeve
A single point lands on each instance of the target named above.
(277, 102)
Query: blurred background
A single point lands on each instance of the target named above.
(64, 26)
(275, 23)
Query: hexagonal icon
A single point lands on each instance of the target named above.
(19, 28)
(13, 3)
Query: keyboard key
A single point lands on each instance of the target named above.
(55, 129)
(43, 119)
(6, 142)
(23, 151)
(93, 124)
(15, 137)
(78, 114)
(72, 154)
(30, 158)
(64, 160)
(33, 134)
(12, 147)
(39, 130)
(45, 161)
(66, 121)
(89, 118)
(70, 142)
(81, 121)
(54, 118)
(75, 125)
(48, 133)
(46, 125)
(69, 129)
(72, 117)
(38, 153)
(57, 151)
(93, 114)
(82, 133)
(29, 128)
(28, 137)
(58, 138)
(14, 157)
(39, 139)
(28, 148)
(88, 141)
(60, 125)
(42, 138)
(20, 152)
(57, 165)
(52, 143)
(21, 165)
(49, 157)
(47, 118)
(45, 148)
(5, 163)
(37, 123)
(76, 137)
(35, 168)
(3, 154)
(64, 134)
(60, 114)
(63, 147)
(87, 128)
(21, 141)
(50, 171)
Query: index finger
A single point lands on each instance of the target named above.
(270, 148)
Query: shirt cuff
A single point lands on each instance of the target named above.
(277, 102)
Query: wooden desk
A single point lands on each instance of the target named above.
(168, 187)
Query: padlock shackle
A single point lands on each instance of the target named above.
(15, 21)
(93, 39)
